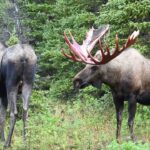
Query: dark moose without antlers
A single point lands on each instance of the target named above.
(18, 64)
(124, 70)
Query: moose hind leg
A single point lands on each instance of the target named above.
(131, 111)
(2, 118)
(26, 92)
(12, 97)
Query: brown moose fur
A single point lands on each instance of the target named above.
(128, 76)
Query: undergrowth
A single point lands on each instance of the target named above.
(86, 123)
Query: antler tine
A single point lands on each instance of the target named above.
(107, 49)
(67, 40)
(72, 37)
(106, 57)
(131, 39)
(93, 59)
(71, 56)
(78, 52)
(101, 48)
(117, 45)
(74, 48)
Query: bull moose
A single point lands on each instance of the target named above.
(124, 70)
(17, 69)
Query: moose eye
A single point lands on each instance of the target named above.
(94, 68)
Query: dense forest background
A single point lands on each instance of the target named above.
(60, 118)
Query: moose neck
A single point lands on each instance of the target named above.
(110, 73)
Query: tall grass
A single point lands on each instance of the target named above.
(82, 124)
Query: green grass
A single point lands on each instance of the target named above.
(84, 124)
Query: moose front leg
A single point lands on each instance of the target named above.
(119, 105)
(12, 125)
(12, 97)
(131, 111)
(26, 92)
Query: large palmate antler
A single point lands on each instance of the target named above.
(81, 53)
(107, 56)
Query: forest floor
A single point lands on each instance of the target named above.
(77, 125)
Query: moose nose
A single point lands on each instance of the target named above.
(77, 83)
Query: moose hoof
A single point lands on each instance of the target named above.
(6, 146)
(119, 140)
(133, 139)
